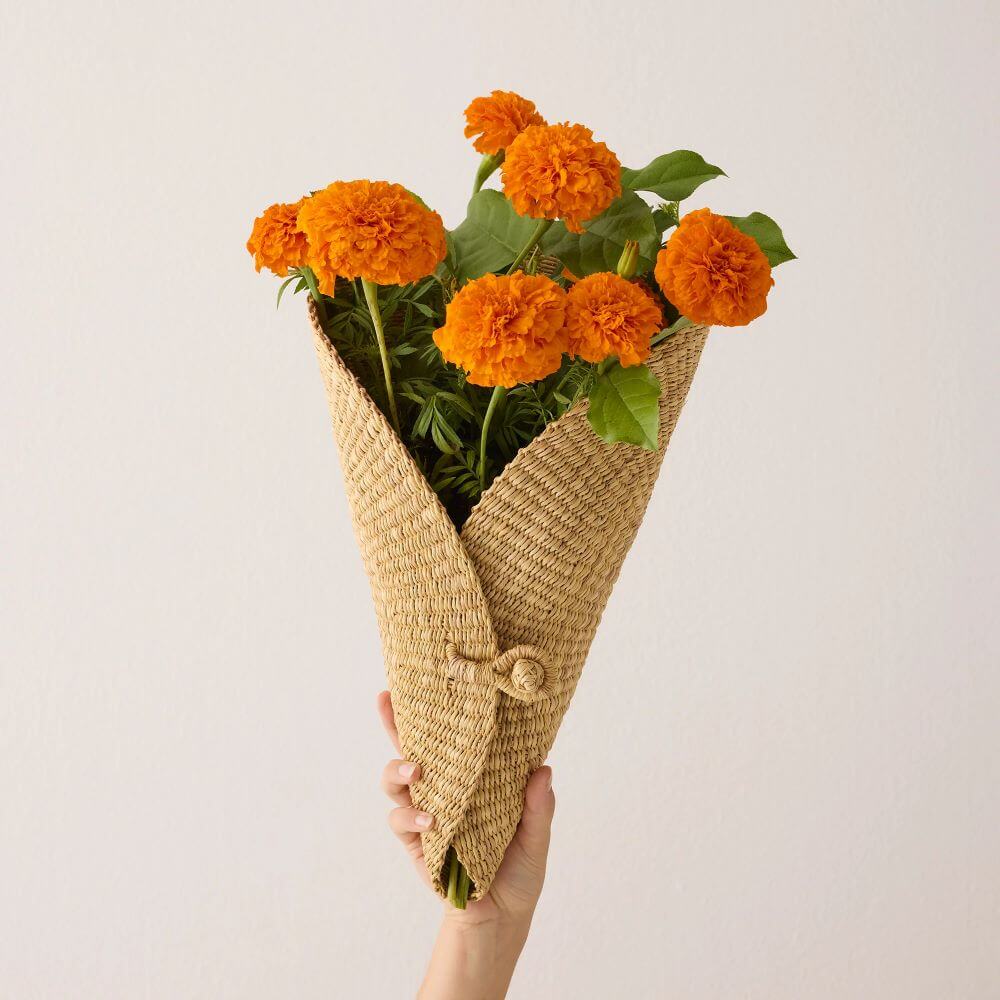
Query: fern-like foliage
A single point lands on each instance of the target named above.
(441, 413)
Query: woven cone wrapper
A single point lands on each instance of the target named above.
(485, 631)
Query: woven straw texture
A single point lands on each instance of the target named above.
(485, 632)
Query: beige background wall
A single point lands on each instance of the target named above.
(779, 779)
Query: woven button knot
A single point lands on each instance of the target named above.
(527, 675)
(521, 672)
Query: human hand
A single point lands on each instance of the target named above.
(478, 947)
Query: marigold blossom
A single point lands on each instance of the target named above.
(713, 273)
(505, 329)
(276, 242)
(607, 315)
(498, 120)
(561, 172)
(372, 230)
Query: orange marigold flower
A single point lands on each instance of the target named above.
(560, 172)
(713, 273)
(607, 315)
(498, 120)
(276, 242)
(505, 329)
(371, 230)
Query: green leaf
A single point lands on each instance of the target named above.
(310, 279)
(767, 234)
(678, 324)
(624, 406)
(490, 237)
(672, 176)
(446, 269)
(666, 216)
(600, 245)
(284, 285)
(416, 197)
(423, 308)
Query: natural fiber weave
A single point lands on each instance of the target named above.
(485, 632)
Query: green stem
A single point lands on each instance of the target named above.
(540, 229)
(371, 297)
(487, 166)
(310, 279)
(459, 882)
(462, 893)
(453, 866)
(558, 389)
(498, 394)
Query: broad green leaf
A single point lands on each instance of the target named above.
(672, 176)
(446, 269)
(678, 324)
(767, 234)
(624, 406)
(490, 237)
(600, 245)
(416, 197)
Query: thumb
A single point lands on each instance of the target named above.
(536, 821)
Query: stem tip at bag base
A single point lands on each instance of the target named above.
(485, 630)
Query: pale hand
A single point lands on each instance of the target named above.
(477, 948)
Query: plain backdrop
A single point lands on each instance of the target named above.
(779, 777)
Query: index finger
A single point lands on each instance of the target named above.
(385, 713)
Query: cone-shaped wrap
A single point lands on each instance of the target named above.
(485, 633)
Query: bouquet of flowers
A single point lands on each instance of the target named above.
(502, 394)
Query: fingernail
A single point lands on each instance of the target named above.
(548, 780)
(406, 771)
(423, 820)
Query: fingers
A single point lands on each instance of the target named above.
(536, 821)
(397, 777)
(406, 822)
(385, 713)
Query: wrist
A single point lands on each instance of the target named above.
(475, 956)
(499, 933)
(490, 917)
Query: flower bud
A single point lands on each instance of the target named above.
(628, 263)
(487, 167)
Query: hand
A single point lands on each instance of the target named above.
(478, 947)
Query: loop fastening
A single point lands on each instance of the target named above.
(520, 672)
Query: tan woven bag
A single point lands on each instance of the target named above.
(485, 631)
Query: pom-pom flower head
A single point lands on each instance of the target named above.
(713, 273)
(371, 230)
(560, 172)
(505, 329)
(607, 315)
(498, 120)
(276, 242)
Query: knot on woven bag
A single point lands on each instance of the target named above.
(520, 672)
